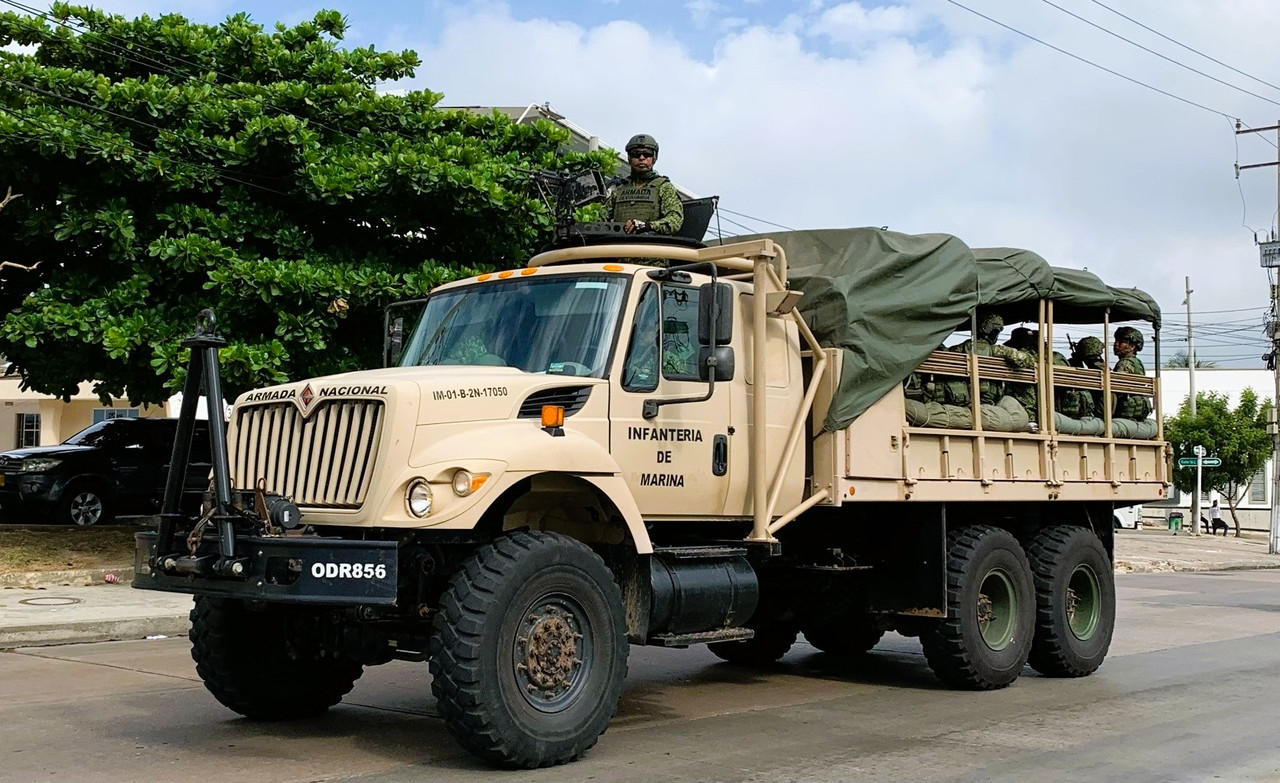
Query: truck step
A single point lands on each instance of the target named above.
(702, 637)
(714, 552)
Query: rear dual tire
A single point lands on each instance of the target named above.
(1075, 601)
(986, 636)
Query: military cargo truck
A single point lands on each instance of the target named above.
(654, 444)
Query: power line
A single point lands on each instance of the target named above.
(1184, 46)
(756, 219)
(1234, 310)
(1157, 54)
(90, 107)
(158, 66)
(1091, 63)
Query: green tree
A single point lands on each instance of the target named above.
(1238, 437)
(1181, 360)
(168, 166)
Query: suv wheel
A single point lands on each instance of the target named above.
(83, 505)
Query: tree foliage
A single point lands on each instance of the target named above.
(1236, 436)
(1181, 360)
(168, 166)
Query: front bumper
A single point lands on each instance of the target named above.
(299, 570)
(28, 490)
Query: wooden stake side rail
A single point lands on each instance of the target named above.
(993, 368)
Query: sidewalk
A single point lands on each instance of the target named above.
(72, 607)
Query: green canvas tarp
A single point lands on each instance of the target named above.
(889, 299)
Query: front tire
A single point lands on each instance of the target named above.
(530, 650)
(985, 639)
(269, 664)
(1075, 602)
(84, 504)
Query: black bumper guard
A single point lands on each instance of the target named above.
(331, 571)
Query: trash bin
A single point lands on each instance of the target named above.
(1175, 521)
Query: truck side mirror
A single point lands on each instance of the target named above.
(722, 329)
(395, 341)
(723, 364)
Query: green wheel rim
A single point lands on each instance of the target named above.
(997, 609)
(1083, 604)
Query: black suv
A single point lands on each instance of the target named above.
(115, 466)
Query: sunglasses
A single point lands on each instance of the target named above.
(641, 154)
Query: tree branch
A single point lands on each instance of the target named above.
(3, 264)
(8, 196)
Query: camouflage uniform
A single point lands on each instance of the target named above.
(1027, 341)
(1079, 403)
(989, 392)
(645, 195)
(1130, 406)
(651, 198)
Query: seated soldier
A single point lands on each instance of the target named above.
(1080, 407)
(1129, 412)
(1127, 344)
(999, 411)
(1028, 341)
(984, 344)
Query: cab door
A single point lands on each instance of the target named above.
(675, 463)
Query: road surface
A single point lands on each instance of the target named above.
(1189, 692)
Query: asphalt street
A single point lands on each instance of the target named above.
(1188, 693)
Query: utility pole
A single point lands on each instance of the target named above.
(1191, 383)
(1269, 253)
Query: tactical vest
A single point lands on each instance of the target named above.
(638, 202)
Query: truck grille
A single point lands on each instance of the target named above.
(324, 460)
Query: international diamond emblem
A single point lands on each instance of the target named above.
(307, 395)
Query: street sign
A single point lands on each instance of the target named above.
(1208, 462)
(1199, 451)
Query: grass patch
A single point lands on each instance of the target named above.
(47, 548)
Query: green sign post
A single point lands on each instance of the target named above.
(1208, 462)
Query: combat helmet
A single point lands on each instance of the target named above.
(645, 141)
(1130, 335)
(989, 325)
(1089, 348)
(1024, 339)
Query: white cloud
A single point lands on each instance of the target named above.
(854, 24)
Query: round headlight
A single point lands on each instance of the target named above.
(418, 498)
(462, 483)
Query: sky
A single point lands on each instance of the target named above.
(918, 115)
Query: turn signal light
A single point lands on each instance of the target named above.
(552, 416)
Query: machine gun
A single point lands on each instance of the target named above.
(564, 192)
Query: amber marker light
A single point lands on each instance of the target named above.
(466, 483)
(552, 416)
(612, 268)
(528, 271)
(505, 275)
(483, 278)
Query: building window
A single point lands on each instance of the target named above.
(104, 414)
(1258, 487)
(28, 430)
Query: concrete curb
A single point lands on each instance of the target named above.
(79, 576)
(94, 631)
(1169, 566)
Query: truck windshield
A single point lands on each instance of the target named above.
(557, 324)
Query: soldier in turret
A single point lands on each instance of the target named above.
(645, 202)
